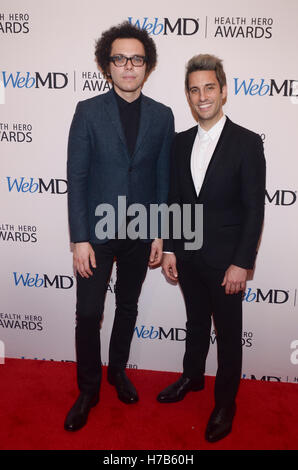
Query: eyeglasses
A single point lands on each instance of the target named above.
(121, 60)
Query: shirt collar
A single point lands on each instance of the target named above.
(215, 130)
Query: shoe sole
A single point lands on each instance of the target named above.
(175, 400)
(220, 436)
(127, 402)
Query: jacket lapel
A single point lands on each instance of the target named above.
(187, 150)
(217, 155)
(113, 113)
(145, 117)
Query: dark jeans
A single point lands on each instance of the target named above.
(132, 258)
(204, 297)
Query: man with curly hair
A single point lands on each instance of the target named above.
(119, 145)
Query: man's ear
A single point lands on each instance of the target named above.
(224, 93)
(107, 74)
(187, 95)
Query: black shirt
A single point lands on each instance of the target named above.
(130, 119)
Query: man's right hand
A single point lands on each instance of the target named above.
(83, 256)
(169, 266)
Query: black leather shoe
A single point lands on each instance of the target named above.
(78, 414)
(178, 390)
(125, 389)
(220, 423)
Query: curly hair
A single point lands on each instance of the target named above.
(124, 30)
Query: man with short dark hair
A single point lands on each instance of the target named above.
(220, 165)
(119, 145)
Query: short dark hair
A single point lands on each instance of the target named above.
(124, 30)
(206, 62)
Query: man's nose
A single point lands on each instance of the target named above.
(129, 65)
(202, 96)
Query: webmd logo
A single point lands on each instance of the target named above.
(271, 296)
(153, 332)
(37, 280)
(281, 197)
(51, 80)
(261, 87)
(36, 185)
(165, 26)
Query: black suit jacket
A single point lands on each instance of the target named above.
(232, 195)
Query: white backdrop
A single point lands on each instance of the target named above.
(47, 66)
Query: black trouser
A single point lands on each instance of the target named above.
(204, 296)
(132, 261)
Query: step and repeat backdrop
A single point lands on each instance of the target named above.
(47, 66)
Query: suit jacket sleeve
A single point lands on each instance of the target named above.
(78, 162)
(173, 196)
(164, 160)
(253, 172)
(163, 165)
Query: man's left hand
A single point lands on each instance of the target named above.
(156, 253)
(235, 279)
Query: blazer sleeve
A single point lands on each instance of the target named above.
(78, 162)
(173, 197)
(163, 164)
(253, 176)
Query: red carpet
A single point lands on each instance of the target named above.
(35, 396)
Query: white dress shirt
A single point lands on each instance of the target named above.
(202, 151)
